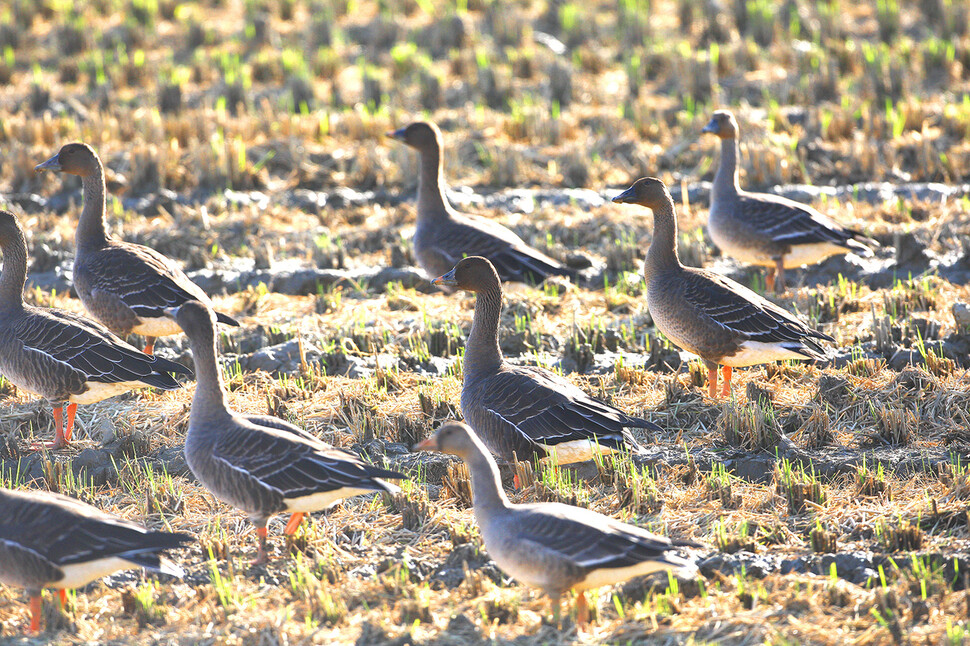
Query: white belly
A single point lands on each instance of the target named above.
(753, 352)
(161, 326)
(809, 254)
(323, 500)
(574, 451)
(97, 391)
(609, 576)
(80, 574)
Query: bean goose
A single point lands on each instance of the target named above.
(58, 355)
(709, 315)
(524, 412)
(769, 230)
(261, 465)
(552, 546)
(51, 541)
(123, 285)
(444, 236)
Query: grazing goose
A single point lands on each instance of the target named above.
(769, 230)
(552, 546)
(712, 316)
(123, 285)
(51, 541)
(444, 236)
(260, 464)
(526, 412)
(63, 357)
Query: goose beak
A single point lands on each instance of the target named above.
(712, 127)
(428, 444)
(448, 280)
(54, 164)
(625, 197)
(171, 312)
(396, 134)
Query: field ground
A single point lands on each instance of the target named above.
(246, 140)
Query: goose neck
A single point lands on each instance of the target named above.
(663, 248)
(14, 272)
(487, 493)
(432, 203)
(482, 352)
(726, 179)
(91, 225)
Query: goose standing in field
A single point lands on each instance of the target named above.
(444, 236)
(552, 546)
(524, 412)
(260, 464)
(769, 230)
(51, 541)
(722, 322)
(123, 285)
(61, 356)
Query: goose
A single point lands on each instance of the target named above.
(523, 412)
(721, 321)
(123, 285)
(444, 236)
(552, 546)
(51, 541)
(260, 464)
(63, 357)
(769, 230)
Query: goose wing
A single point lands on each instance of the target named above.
(548, 410)
(737, 309)
(66, 343)
(294, 466)
(788, 222)
(144, 279)
(513, 259)
(62, 531)
(592, 541)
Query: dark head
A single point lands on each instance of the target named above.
(454, 438)
(76, 159)
(421, 135)
(723, 124)
(646, 191)
(195, 319)
(472, 274)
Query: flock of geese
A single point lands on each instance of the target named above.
(263, 465)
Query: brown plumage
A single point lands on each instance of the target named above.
(523, 411)
(261, 465)
(551, 546)
(769, 230)
(61, 356)
(51, 541)
(712, 316)
(123, 285)
(444, 236)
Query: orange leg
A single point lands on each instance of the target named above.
(71, 411)
(62, 597)
(261, 557)
(516, 483)
(294, 523)
(35, 614)
(712, 382)
(726, 388)
(582, 610)
(770, 280)
(150, 345)
(62, 437)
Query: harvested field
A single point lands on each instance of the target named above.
(246, 140)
